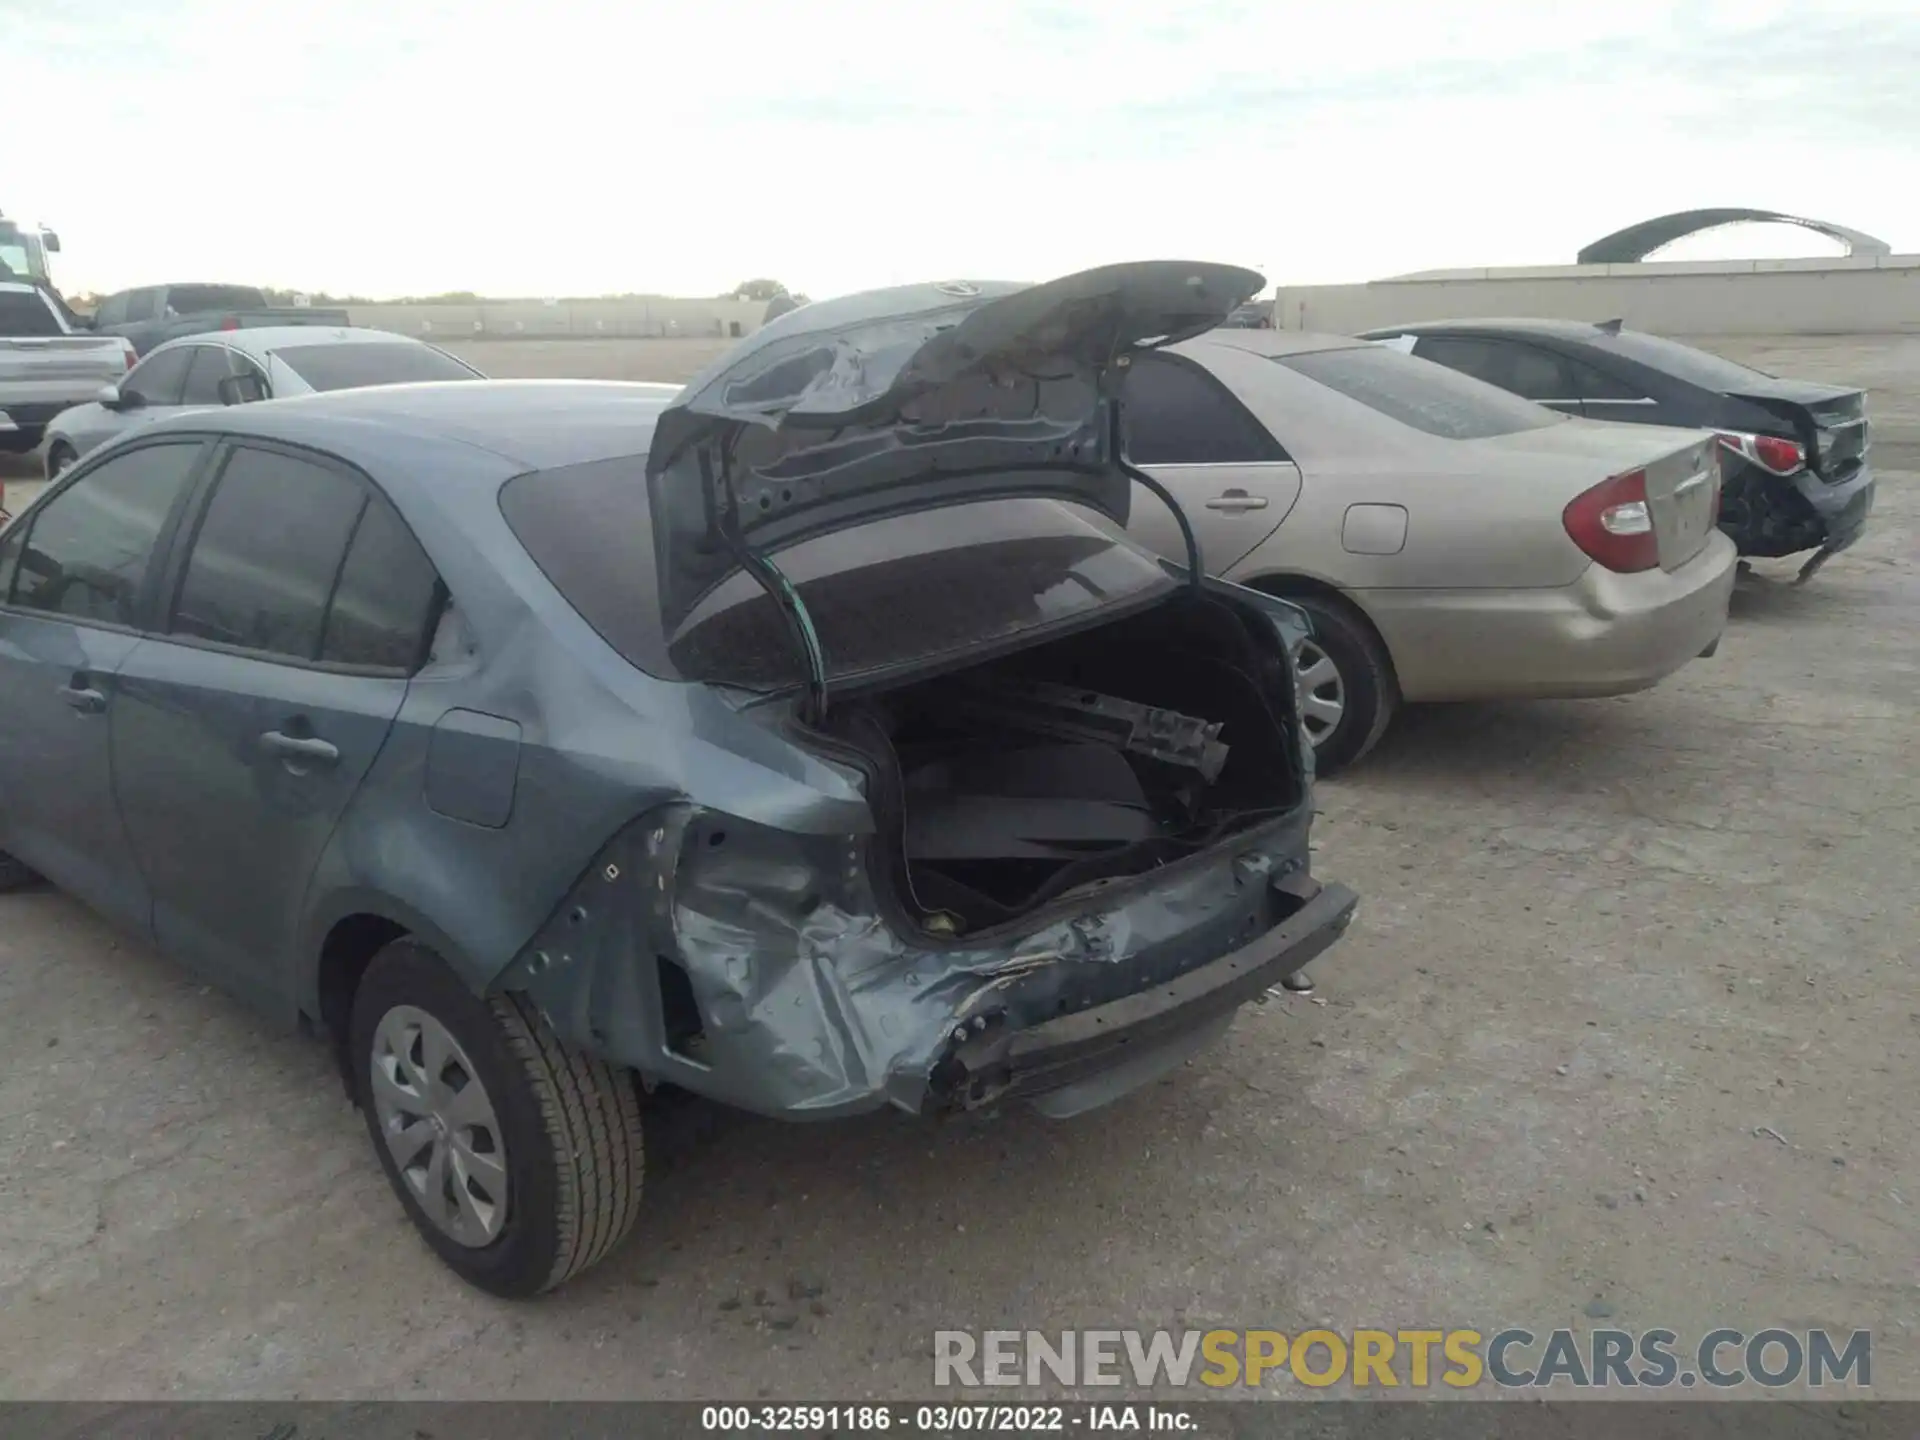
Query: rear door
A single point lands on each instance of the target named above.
(1606, 395)
(76, 585)
(1232, 477)
(244, 729)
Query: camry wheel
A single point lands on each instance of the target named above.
(516, 1158)
(1347, 689)
(60, 459)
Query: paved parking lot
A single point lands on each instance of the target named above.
(1626, 1033)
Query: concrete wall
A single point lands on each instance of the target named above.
(640, 317)
(1839, 296)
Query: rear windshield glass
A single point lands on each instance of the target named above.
(903, 590)
(197, 299)
(374, 362)
(1418, 393)
(25, 314)
(1683, 362)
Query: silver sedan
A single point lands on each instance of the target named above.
(230, 367)
(1451, 541)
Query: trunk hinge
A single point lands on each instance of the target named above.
(773, 580)
(1196, 576)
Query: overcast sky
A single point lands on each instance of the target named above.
(386, 147)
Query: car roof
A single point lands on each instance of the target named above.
(521, 424)
(1564, 329)
(265, 339)
(1273, 342)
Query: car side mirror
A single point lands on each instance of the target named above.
(51, 241)
(110, 396)
(242, 389)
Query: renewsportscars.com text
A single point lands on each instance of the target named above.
(1458, 1359)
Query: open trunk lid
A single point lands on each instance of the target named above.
(897, 401)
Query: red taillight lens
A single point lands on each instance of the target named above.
(1769, 452)
(232, 322)
(1612, 523)
(132, 357)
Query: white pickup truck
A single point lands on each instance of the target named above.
(45, 366)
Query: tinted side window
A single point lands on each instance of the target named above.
(24, 314)
(388, 599)
(210, 365)
(1430, 398)
(10, 543)
(159, 378)
(1477, 358)
(143, 304)
(112, 310)
(1177, 414)
(1538, 374)
(266, 554)
(1594, 384)
(90, 545)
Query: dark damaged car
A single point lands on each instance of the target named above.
(814, 741)
(1794, 453)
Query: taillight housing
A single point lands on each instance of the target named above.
(1613, 524)
(131, 355)
(1771, 453)
(232, 322)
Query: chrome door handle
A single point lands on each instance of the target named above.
(299, 747)
(1235, 501)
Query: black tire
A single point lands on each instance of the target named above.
(58, 452)
(1370, 693)
(570, 1125)
(14, 875)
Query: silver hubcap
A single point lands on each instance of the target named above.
(439, 1126)
(1323, 694)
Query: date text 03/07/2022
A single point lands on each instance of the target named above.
(943, 1419)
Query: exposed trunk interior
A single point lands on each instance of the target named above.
(1010, 784)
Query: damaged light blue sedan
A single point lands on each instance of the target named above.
(811, 738)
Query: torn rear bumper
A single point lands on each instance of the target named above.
(752, 966)
(989, 1062)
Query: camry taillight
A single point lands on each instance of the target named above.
(1769, 452)
(132, 355)
(1612, 524)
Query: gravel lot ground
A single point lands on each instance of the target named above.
(1630, 1015)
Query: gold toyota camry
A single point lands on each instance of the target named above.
(1450, 541)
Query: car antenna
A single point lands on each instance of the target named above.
(773, 580)
(1610, 327)
(1196, 575)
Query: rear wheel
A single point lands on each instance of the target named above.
(60, 457)
(14, 875)
(1347, 690)
(517, 1159)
